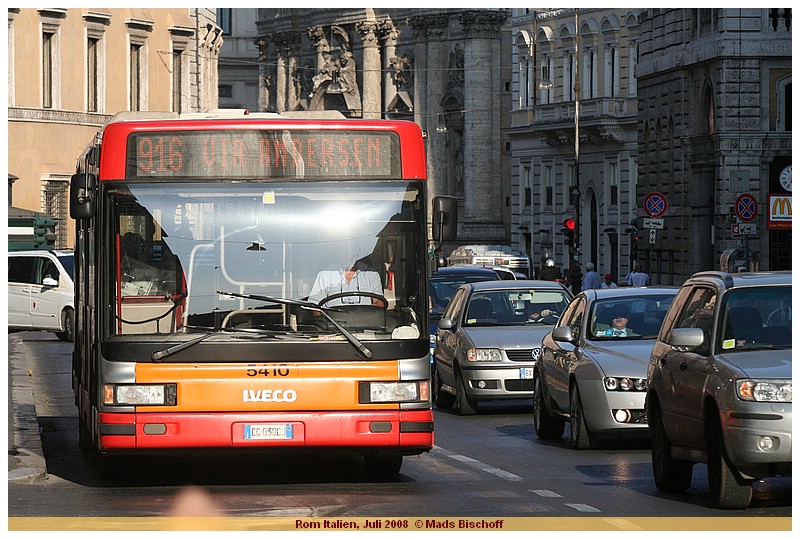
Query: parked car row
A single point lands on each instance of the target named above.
(703, 370)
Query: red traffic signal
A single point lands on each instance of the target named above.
(569, 223)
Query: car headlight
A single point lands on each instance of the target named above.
(764, 390)
(624, 383)
(484, 354)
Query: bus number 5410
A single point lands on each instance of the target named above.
(268, 370)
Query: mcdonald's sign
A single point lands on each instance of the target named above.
(780, 211)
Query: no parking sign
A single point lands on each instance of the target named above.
(655, 204)
(746, 207)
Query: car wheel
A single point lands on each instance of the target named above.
(578, 433)
(383, 466)
(466, 406)
(671, 475)
(68, 323)
(729, 489)
(547, 427)
(442, 398)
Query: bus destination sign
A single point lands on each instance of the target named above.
(313, 154)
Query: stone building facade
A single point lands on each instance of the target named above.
(71, 69)
(445, 69)
(574, 154)
(715, 136)
(238, 59)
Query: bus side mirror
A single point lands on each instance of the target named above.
(82, 190)
(445, 218)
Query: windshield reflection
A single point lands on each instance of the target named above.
(196, 255)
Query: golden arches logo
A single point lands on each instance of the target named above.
(781, 207)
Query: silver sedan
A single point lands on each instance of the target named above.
(489, 338)
(592, 370)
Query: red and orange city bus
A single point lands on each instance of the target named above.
(211, 309)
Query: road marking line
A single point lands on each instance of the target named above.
(479, 465)
(546, 493)
(583, 508)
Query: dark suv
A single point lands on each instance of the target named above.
(720, 384)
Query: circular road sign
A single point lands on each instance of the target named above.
(746, 207)
(655, 204)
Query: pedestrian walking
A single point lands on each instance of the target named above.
(608, 281)
(591, 278)
(637, 277)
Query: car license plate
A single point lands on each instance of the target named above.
(526, 373)
(268, 431)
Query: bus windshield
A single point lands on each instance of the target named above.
(266, 257)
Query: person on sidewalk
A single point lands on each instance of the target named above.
(608, 281)
(591, 278)
(637, 277)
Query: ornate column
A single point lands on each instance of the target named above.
(371, 78)
(389, 34)
(265, 75)
(284, 42)
(482, 142)
(429, 86)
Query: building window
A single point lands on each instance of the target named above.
(92, 56)
(177, 81)
(224, 20)
(226, 91)
(525, 183)
(784, 91)
(612, 72)
(54, 203)
(547, 186)
(613, 184)
(48, 68)
(136, 77)
(633, 53)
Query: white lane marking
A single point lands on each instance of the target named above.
(583, 508)
(502, 474)
(546, 493)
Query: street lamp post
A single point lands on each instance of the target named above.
(576, 188)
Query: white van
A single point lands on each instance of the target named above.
(41, 293)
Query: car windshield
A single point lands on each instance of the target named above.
(635, 317)
(756, 317)
(512, 307)
(68, 261)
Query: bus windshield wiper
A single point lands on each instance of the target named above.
(308, 306)
(158, 355)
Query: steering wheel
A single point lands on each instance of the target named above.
(543, 318)
(357, 293)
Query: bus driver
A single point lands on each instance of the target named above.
(357, 277)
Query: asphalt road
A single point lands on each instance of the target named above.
(487, 466)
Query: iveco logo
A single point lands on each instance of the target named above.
(535, 353)
(269, 395)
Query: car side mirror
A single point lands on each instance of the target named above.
(563, 334)
(49, 281)
(446, 323)
(685, 339)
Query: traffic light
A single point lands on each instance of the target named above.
(44, 232)
(635, 236)
(568, 229)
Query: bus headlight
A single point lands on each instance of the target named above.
(373, 392)
(140, 394)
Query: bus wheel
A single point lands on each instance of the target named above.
(84, 436)
(383, 466)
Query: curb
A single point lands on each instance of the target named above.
(27, 440)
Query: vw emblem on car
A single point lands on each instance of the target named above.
(535, 353)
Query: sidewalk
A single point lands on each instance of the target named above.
(26, 462)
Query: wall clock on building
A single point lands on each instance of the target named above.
(786, 178)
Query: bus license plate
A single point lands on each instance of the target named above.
(526, 373)
(268, 431)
